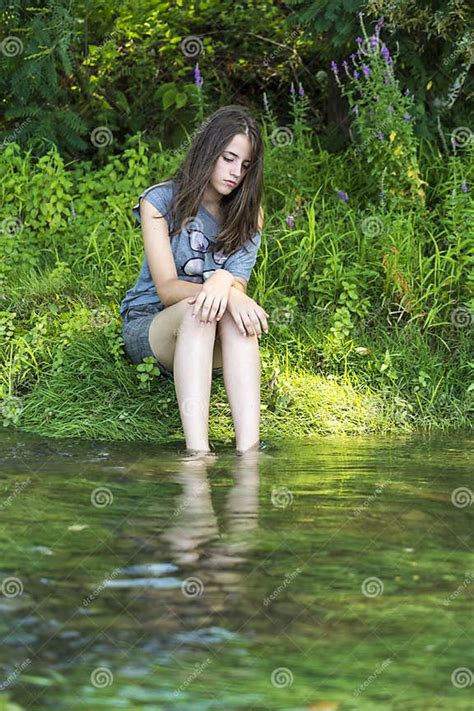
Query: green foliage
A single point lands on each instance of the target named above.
(383, 120)
(378, 294)
(33, 58)
(434, 40)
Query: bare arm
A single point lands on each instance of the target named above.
(178, 289)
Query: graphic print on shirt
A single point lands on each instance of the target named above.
(194, 268)
(197, 240)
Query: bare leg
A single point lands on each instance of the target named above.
(241, 365)
(192, 370)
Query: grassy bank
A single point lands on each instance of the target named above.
(370, 300)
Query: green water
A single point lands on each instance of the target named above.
(325, 574)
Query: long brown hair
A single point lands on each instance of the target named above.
(240, 209)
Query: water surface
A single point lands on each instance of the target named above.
(327, 574)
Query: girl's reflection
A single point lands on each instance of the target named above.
(194, 541)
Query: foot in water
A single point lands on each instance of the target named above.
(255, 448)
(199, 454)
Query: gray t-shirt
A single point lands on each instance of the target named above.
(190, 250)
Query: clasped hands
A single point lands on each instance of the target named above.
(217, 296)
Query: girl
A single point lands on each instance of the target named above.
(189, 308)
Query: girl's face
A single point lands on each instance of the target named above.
(231, 165)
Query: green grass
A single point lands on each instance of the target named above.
(371, 305)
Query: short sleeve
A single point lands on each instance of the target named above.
(242, 262)
(160, 197)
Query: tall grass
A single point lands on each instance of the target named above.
(360, 292)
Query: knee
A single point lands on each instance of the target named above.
(227, 328)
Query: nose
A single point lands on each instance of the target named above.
(235, 173)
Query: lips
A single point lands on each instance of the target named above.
(230, 182)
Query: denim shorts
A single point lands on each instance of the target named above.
(135, 333)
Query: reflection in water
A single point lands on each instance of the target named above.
(213, 555)
(208, 557)
(208, 583)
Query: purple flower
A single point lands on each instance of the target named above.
(198, 80)
(334, 67)
(464, 187)
(292, 89)
(356, 74)
(407, 117)
(353, 56)
(407, 92)
(355, 110)
(344, 196)
(300, 90)
(380, 135)
(386, 79)
(290, 221)
(73, 212)
(374, 41)
(385, 52)
(359, 40)
(366, 70)
(379, 25)
(346, 66)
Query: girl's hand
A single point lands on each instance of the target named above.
(213, 297)
(247, 314)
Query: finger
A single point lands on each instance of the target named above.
(214, 310)
(256, 325)
(263, 321)
(223, 308)
(240, 324)
(206, 307)
(248, 324)
(197, 306)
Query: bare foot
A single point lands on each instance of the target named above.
(198, 454)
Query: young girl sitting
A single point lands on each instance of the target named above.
(189, 308)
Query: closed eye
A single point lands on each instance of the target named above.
(229, 160)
